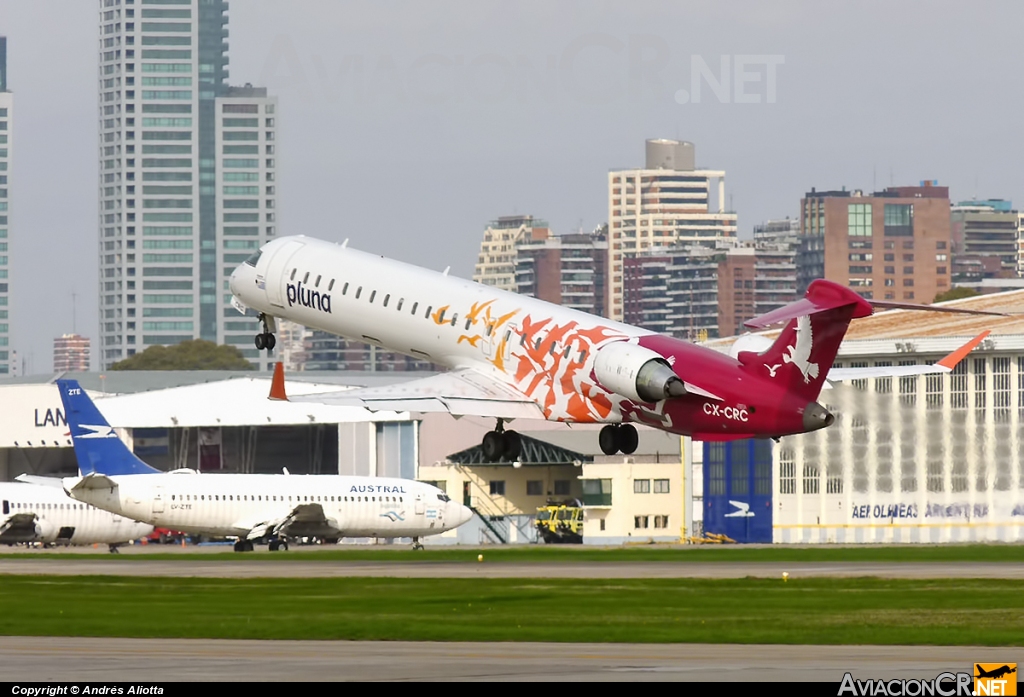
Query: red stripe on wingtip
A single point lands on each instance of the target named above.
(277, 384)
(952, 359)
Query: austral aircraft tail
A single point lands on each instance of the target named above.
(97, 447)
(805, 350)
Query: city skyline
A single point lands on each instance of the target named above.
(530, 121)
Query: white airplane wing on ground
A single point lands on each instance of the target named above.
(463, 392)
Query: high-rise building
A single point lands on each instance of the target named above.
(187, 185)
(890, 245)
(984, 240)
(6, 134)
(667, 202)
(737, 289)
(776, 243)
(71, 352)
(569, 270)
(496, 265)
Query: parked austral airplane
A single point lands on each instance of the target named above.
(45, 514)
(512, 356)
(247, 506)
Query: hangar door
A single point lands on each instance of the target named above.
(738, 489)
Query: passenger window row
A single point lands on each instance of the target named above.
(290, 499)
(580, 359)
(48, 506)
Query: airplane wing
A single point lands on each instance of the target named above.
(463, 392)
(304, 520)
(943, 366)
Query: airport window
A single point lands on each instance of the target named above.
(641, 522)
(373, 294)
(661, 521)
(641, 486)
(661, 486)
(386, 299)
(497, 487)
(561, 487)
(535, 488)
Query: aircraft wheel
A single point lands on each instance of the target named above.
(274, 545)
(513, 445)
(608, 439)
(629, 439)
(271, 342)
(284, 545)
(493, 446)
(260, 341)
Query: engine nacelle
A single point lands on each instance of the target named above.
(45, 530)
(637, 373)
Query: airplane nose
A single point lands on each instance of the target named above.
(459, 514)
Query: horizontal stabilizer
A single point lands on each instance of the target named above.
(944, 365)
(821, 296)
(40, 481)
(890, 305)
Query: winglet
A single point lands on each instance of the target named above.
(277, 384)
(952, 359)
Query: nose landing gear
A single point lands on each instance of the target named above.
(266, 340)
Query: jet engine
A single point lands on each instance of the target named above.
(636, 372)
(45, 530)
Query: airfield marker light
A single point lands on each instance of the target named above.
(785, 576)
(479, 557)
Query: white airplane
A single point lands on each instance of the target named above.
(45, 514)
(276, 507)
(510, 356)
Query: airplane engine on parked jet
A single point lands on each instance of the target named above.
(636, 372)
(45, 530)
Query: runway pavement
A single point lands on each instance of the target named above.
(141, 660)
(297, 568)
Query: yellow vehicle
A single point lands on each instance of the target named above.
(559, 523)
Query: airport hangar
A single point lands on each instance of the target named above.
(936, 458)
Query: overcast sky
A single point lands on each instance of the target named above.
(406, 126)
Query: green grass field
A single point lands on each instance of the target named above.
(577, 553)
(805, 611)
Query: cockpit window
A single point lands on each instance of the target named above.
(443, 497)
(251, 261)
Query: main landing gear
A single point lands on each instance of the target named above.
(500, 444)
(278, 544)
(243, 546)
(416, 544)
(266, 340)
(618, 437)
